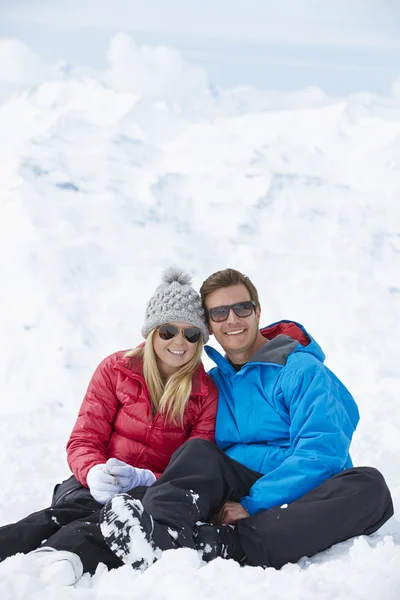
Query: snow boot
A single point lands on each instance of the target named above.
(132, 534)
(218, 541)
(56, 566)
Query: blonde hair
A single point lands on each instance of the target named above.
(170, 397)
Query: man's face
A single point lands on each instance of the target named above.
(236, 335)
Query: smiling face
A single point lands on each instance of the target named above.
(174, 353)
(239, 337)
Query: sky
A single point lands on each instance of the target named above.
(112, 171)
(343, 47)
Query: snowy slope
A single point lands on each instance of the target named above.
(106, 179)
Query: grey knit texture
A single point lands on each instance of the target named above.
(175, 300)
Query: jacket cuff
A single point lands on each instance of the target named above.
(248, 504)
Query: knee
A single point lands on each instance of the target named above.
(195, 451)
(376, 496)
(199, 445)
(195, 448)
(373, 484)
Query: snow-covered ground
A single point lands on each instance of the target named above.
(106, 178)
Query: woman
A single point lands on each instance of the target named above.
(140, 406)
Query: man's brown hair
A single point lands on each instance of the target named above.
(226, 278)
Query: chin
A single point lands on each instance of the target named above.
(176, 361)
(239, 341)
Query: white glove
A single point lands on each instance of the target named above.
(127, 476)
(101, 484)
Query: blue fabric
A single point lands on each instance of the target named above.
(293, 423)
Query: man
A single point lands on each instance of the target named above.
(280, 483)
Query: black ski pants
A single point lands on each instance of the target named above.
(70, 523)
(200, 478)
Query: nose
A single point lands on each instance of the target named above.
(179, 336)
(232, 317)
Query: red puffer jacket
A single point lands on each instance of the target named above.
(115, 419)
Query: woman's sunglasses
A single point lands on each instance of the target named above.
(241, 309)
(167, 332)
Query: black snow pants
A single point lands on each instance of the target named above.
(200, 478)
(70, 523)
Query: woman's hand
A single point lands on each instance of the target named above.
(127, 476)
(102, 485)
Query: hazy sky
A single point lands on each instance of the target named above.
(343, 46)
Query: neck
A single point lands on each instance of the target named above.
(243, 355)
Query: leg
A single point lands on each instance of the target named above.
(198, 480)
(29, 533)
(84, 538)
(354, 502)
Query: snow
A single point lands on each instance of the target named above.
(108, 178)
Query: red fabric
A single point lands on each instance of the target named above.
(115, 419)
(287, 328)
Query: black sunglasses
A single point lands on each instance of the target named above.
(241, 309)
(191, 334)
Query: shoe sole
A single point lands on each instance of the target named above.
(127, 530)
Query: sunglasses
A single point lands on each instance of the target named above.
(241, 309)
(191, 334)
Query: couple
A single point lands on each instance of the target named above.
(147, 476)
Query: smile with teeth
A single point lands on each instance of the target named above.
(177, 352)
(234, 332)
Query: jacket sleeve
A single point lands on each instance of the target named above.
(204, 427)
(87, 445)
(320, 434)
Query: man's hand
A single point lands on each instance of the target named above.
(231, 512)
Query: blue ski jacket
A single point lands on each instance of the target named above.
(284, 415)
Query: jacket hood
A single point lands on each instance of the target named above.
(285, 338)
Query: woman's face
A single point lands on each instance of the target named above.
(173, 353)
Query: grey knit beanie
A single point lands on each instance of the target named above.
(175, 300)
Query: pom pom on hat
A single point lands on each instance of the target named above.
(176, 274)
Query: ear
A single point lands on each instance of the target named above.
(258, 313)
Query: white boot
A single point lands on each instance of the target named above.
(58, 566)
